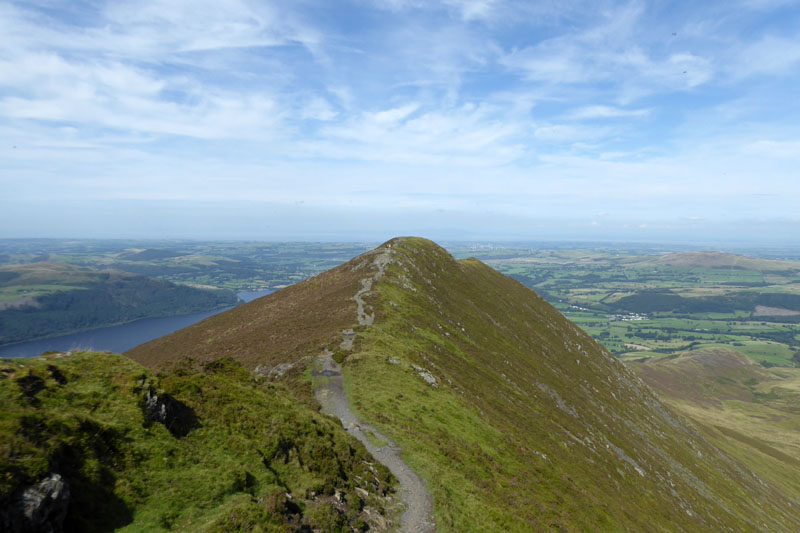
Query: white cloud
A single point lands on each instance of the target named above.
(147, 28)
(464, 9)
(602, 111)
(46, 73)
(392, 116)
(775, 149)
(467, 134)
(318, 108)
(768, 56)
(118, 96)
(611, 51)
(560, 62)
(473, 9)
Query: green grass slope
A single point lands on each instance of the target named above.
(751, 412)
(240, 455)
(45, 299)
(516, 419)
(532, 424)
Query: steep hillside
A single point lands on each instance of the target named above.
(278, 328)
(45, 299)
(95, 442)
(515, 419)
(750, 411)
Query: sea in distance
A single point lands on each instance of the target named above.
(119, 338)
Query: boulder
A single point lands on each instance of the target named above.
(39, 508)
(178, 418)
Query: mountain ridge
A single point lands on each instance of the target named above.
(514, 417)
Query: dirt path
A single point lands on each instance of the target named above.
(380, 262)
(418, 516)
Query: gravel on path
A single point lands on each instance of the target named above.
(418, 516)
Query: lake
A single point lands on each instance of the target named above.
(119, 338)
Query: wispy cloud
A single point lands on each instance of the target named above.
(775, 149)
(769, 55)
(117, 96)
(609, 54)
(511, 103)
(464, 9)
(468, 134)
(604, 111)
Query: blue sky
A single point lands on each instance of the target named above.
(649, 120)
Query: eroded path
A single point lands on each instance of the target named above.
(418, 516)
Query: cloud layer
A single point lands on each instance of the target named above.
(642, 110)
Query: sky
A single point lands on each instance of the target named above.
(669, 121)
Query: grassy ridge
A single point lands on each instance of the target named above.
(531, 424)
(250, 456)
(516, 418)
(691, 300)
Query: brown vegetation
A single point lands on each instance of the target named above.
(278, 328)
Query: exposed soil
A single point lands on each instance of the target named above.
(763, 310)
(418, 516)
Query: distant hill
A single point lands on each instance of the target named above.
(44, 299)
(516, 419)
(720, 260)
(150, 254)
(751, 412)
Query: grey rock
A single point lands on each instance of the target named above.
(426, 376)
(40, 508)
(278, 371)
(163, 408)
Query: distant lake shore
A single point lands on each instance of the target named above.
(121, 337)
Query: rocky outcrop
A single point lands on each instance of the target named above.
(178, 418)
(40, 508)
(274, 373)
